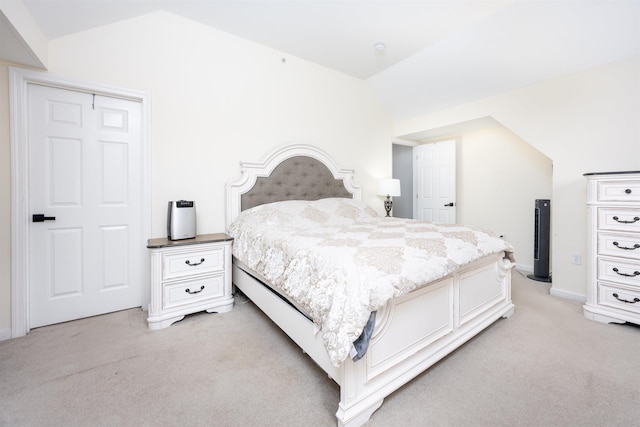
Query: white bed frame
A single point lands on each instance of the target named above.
(411, 333)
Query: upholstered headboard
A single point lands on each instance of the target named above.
(296, 178)
(295, 172)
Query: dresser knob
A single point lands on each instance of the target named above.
(194, 292)
(635, 273)
(628, 191)
(626, 248)
(635, 219)
(635, 300)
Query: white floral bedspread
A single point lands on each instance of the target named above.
(339, 260)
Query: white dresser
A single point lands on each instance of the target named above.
(613, 240)
(188, 276)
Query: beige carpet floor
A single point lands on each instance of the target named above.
(547, 365)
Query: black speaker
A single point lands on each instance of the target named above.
(541, 241)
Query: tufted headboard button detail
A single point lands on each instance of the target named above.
(292, 180)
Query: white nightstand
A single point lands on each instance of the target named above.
(188, 276)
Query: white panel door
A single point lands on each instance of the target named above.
(85, 153)
(434, 178)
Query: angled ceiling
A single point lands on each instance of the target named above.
(438, 53)
(13, 48)
(520, 45)
(337, 34)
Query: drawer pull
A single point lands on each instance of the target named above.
(195, 263)
(635, 219)
(627, 191)
(635, 273)
(194, 292)
(635, 300)
(617, 245)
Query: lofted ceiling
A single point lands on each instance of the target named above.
(339, 34)
(437, 53)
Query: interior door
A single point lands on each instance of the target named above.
(434, 171)
(85, 196)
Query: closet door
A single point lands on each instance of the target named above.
(85, 196)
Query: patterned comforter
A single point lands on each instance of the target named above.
(339, 260)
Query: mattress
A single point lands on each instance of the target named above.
(339, 261)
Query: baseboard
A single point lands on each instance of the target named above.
(5, 334)
(567, 295)
(555, 291)
(524, 268)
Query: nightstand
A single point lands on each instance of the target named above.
(188, 276)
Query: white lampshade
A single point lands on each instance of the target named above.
(389, 187)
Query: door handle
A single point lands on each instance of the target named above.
(450, 204)
(42, 218)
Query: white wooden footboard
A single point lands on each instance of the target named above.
(411, 333)
(419, 329)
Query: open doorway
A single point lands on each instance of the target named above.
(402, 170)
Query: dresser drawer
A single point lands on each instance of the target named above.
(619, 245)
(619, 219)
(189, 292)
(619, 298)
(193, 262)
(619, 271)
(619, 190)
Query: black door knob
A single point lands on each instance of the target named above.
(42, 218)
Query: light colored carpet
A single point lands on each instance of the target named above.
(547, 365)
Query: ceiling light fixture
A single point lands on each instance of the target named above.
(379, 46)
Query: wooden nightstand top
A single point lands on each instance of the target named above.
(163, 242)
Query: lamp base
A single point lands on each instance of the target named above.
(388, 205)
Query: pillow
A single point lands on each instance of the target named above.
(345, 208)
(303, 214)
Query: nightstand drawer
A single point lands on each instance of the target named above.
(194, 262)
(619, 271)
(618, 244)
(619, 298)
(188, 292)
(619, 219)
(619, 191)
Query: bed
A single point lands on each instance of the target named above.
(401, 336)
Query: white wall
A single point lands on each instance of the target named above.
(499, 178)
(218, 99)
(215, 100)
(5, 206)
(584, 122)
